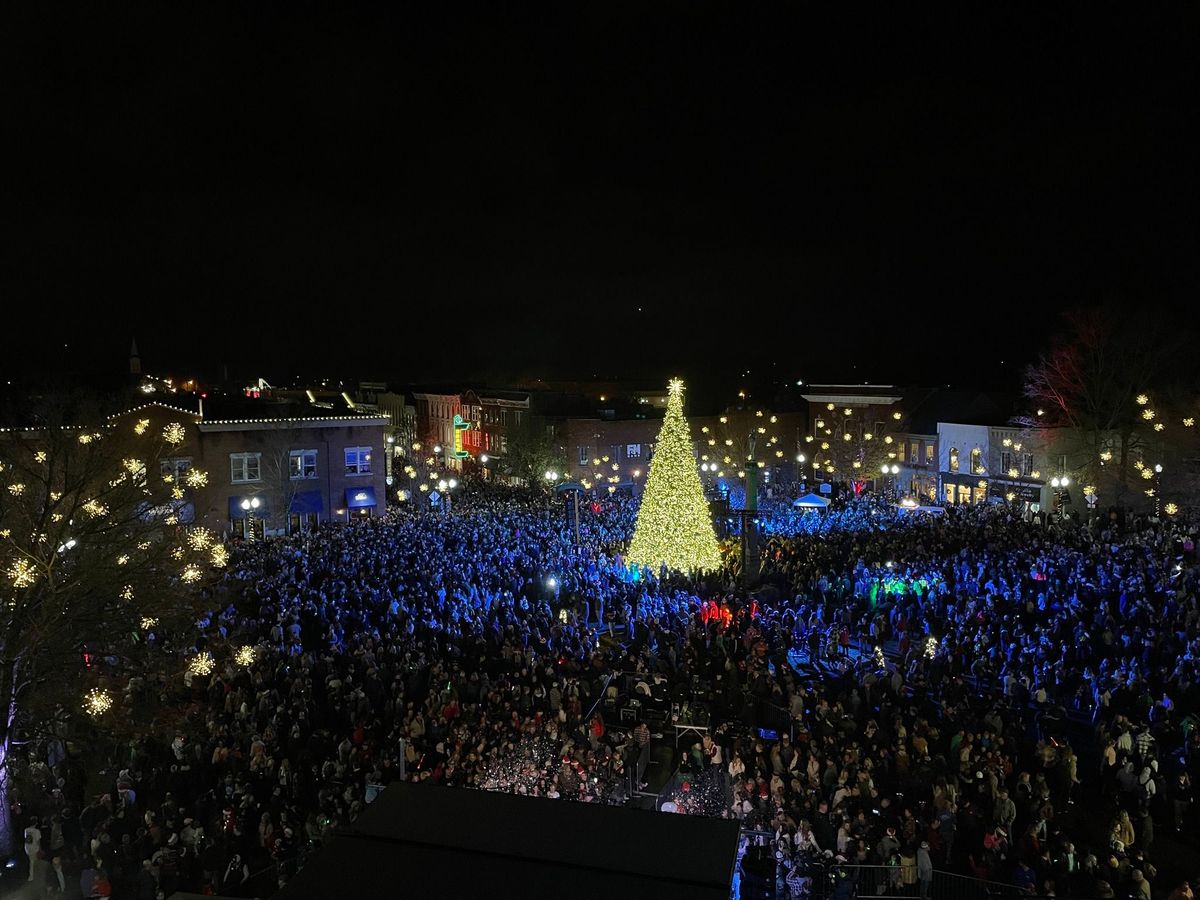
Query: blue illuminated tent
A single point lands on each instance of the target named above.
(811, 501)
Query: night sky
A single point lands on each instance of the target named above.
(611, 189)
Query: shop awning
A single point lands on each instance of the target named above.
(811, 501)
(306, 502)
(360, 497)
(236, 511)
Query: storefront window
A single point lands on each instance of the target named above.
(953, 459)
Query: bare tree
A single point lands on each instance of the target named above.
(1088, 384)
(92, 547)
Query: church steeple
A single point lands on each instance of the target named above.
(135, 361)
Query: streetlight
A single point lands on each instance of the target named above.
(249, 505)
(891, 470)
(1157, 489)
(1060, 484)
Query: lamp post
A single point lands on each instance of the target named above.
(890, 471)
(446, 486)
(551, 477)
(1157, 489)
(1060, 484)
(249, 505)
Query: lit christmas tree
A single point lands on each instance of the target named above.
(674, 525)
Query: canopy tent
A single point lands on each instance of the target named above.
(811, 501)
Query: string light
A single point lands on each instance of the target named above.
(40, 456)
(201, 664)
(674, 526)
(1159, 426)
(22, 573)
(134, 466)
(191, 573)
(1142, 399)
(1148, 414)
(95, 508)
(148, 622)
(200, 538)
(931, 647)
(97, 701)
(1189, 422)
(1171, 509)
(127, 592)
(16, 489)
(123, 559)
(85, 439)
(244, 656)
(220, 556)
(174, 434)
(195, 478)
(141, 426)
(1147, 472)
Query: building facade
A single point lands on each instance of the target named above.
(276, 475)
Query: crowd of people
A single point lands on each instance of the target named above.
(905, 691)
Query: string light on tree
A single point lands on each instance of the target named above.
(245, 656)
(201, 664)
(673, 524)
(174, 434)
(97, 701)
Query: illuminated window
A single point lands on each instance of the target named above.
(953, 459)
(914, 452)
(583, 456)
(358, 460)
(977, 461)
(929, 458)
(245, 467)
(302, 464)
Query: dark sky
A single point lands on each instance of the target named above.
(587, 188)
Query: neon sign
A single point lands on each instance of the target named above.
(459, 428)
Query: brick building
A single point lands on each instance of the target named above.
(275, 468)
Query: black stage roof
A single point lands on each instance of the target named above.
(429, 841)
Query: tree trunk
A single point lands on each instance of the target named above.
(8, 844)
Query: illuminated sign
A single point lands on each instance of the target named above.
(459, 428)
(361, 495)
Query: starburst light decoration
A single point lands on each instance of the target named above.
(245, 656)
(1171, 509)
(195, 478)
(148, 622)
(97, 701)
(22, 573)
(201, 664)
(674, 527)
(174, 434)
(141, 426)
(190, 574)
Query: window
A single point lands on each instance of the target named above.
(953, 459)
(879, 430)
(245, 467)
(633, 451)
(1005, 462)
(583, 456)
(928, 454)
(1026, 465)
(358, 460)
(976, 461)
(914, 452)
(302, 464)
(175, 469)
